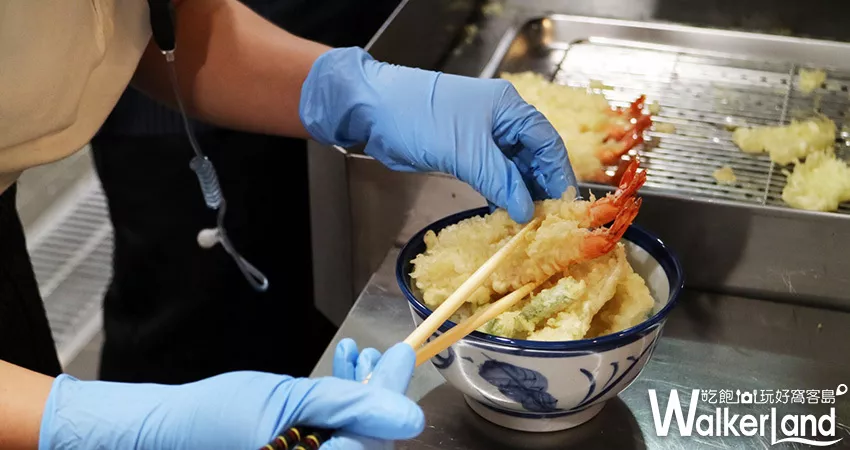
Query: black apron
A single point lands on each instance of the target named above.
(25, 337)
(176, 312)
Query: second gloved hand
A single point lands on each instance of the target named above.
(351, 364)
(479, 130)
(238, 410)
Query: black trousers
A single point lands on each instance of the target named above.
(25, 337)
(175, 312)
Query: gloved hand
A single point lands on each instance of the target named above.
(479, 130)
(238, 410)
(351, 364)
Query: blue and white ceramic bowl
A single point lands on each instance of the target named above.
(550, 386)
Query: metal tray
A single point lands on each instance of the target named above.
(703, 94)
(741, 237)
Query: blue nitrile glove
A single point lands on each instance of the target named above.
(479, 130)
(351, 364)
(238, 410)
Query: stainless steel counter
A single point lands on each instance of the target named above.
(710, 342)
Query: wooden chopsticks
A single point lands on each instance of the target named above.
(472, 323)
(433, 322)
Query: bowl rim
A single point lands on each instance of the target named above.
(656, 244)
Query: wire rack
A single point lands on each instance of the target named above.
(704, 97)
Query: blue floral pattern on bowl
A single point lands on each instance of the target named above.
(524, 386)
(443, 362)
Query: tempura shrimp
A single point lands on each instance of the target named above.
(571, 232)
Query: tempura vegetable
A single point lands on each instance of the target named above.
(602, 276)
(725, 175)
(789, 143)
(542, 305)
(630, 306)
(811, 79)
(819, 183)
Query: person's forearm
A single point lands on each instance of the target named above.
(236, 69)
(23, 395)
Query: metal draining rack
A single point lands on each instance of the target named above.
(704, 96)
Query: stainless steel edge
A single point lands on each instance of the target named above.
(357, 209)
(732, 43)
(330, 231)
(387, 206)
(744, 251)
(421, 33)
(814, 18)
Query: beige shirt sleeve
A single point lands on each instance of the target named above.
(63, 66)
